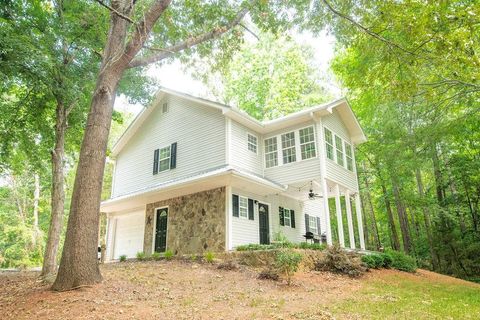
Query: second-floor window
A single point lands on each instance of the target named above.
(271, 156)
(288, 147)
(164, 159)
(329, 144)
(349, 156)
(339, 147)
(252, 142)
(307, 143)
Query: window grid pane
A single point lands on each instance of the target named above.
(312, 225)
(164, 159)
(271, 156)
(243, 207)
(329, 144)
(339, 146)
(252, 143)
(349, 156)
(307, 143)
(286, 217)
(288, 146)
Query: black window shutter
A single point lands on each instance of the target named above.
(250, 209)
(318, 225)
(155, 161)
(292, 218)
(235, 205)
(173, 155)
(307, 223)
(282, 216)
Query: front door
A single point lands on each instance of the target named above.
(263, 221)
(161, 230)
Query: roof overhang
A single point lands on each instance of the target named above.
(226, 175)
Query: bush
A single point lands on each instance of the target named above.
(373, 261)
(338, 261)
(141, 256)
(168, 254)
(387, 260)
(269, 274)
(287, 262)
(209, 256)
(401, 261)
(311, 246)
(156, 256)
(253, 247)
(123, 258)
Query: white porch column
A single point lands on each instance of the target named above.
(338, 207)
(358, 209)
(348, 206)
(228, 218)
(326, 210)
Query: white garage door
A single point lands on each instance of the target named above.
(129, 232)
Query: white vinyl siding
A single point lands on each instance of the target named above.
(288, 147)
(199, 131)
(245, 231)
(271, 154)
(307, 143)
(240, 155)
(252, 143)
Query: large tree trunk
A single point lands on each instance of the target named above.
(391, 220)
(36, 199)
(58, 194)
(78, 265)
(402, 217)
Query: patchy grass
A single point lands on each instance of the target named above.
(189, 290)
(390, 294)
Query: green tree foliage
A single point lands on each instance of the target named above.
(412, 74)
(272, 77)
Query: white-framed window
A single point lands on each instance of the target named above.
(164, 159)
(329, 144)
(339, 147)
(252, 142)
(243, 207)
(287, 217)
(165, 107)
(349, 156)
(271, 155)
(307, 143)
(312, 224)
(288, 147)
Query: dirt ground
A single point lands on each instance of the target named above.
(181, 290)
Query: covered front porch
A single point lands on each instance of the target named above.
(339, 208)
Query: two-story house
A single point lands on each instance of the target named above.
(193, 175)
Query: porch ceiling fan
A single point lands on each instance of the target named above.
(312, 195)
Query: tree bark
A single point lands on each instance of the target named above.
(426, 219)
(36, 199)
(402, 218)
(391, 220)
(58, 194)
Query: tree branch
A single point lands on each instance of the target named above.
(190, 42)
(121, 15)
(365, 29)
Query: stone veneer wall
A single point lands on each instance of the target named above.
(196, 222)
